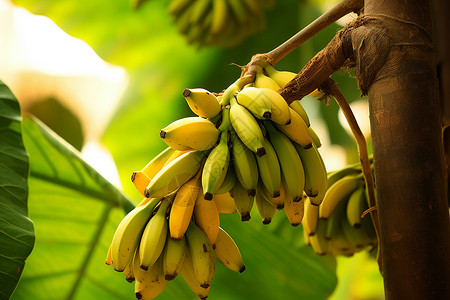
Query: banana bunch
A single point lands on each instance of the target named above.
(336, 226)
(245, 146)
(144, 249)
(223, 23)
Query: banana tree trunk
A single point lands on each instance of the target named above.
(397, 67)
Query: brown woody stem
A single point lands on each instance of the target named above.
(330, 87)
(335, 13)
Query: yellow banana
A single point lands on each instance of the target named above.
(315, 173)
(175, 174)
(202, 102)
(310, 217)
(128, 234)
(269, 169)
(280, 112)
(158, 162)
(128, 272)
(292, 173)
(245, 166)
(315, 138)
(256, 101)
(216, 166)
(190, 133)
(246, 127)
(264, 205)
(149, 284)
(188, 274)
(298, 108)
(337, 192)
(297, 130)
(280, 77)
(243, 201)
(109, 261)
(202, 253)
(294, 209)
(174, 254)
(140, 181)
(154, 236)
(225, 203)
(206, 217)
(263, 81)
(183, 206)
(227, 252)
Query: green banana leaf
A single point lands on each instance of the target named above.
(16, 229)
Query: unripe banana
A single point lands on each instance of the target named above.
(183, 206)
(220, 16)
(256, 101)
(173, 257)
(190, 133)
(189, 276)
(318, 241)
(297, 130)
(206, 216)
(228, 182)
(202, 253)
(264, 205)
(227, 252)
(128, 272)
(243, 201)
(315, 173)
(269, 169)
(263, 81)
(202, 102)
(175, 174)
(337, 192)
(216, 166)
(245, 166)
(334, 220)
(246, 127)
(128, 234)
(292, 173)
(154, 236)
(356, 205)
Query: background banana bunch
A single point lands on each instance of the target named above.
(218, 22)
(245, 146)
(336, 226)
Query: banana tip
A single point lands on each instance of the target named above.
(242, 269)
(145, 268)
(162, 134)
(138, 295)
(170, 277)
(295, 224)
(186, 92)
(146, 193)
(308, 146)
(133, 176)
(251, 193)
(245, 217)
(266, 221)
(260, 151)
(267, 115)
(205, 285)
(276, 194)
(280, 206)
(208, 196)
(288, 122)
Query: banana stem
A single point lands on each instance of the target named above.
(331, 88)
(335, 13)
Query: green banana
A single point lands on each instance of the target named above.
(245, 165)
(154, 236)
(265, 207)
(228, 182)
(128, 234)
(246, 127)
(292, 173)
(256, 101)
(202, 253)
(315, 173)
(269, 169)
(243, 201)
(174, 256)
(356, 205)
